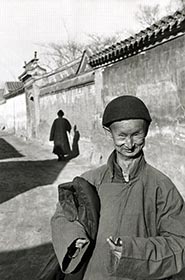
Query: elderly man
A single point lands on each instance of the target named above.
(141, 233)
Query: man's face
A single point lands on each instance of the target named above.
(129, 136)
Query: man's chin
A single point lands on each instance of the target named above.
(130, 154)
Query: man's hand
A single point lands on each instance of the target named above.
(80, 243)
(115, 246)
(76, 247)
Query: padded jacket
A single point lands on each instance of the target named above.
(80, 204)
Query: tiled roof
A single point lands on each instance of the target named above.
(75, 81)
(1, 95)
(1, 92)
(165, 29)
(68, 70)
(65, 71)
(13, 89)
(14, 86)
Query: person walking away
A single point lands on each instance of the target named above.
(59, 134)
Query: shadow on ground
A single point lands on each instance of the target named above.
(24, 264)
(17, 177)
(28, 263)
(8, 151)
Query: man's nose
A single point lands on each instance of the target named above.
(129, 142)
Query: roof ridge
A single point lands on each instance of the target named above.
(159, 30)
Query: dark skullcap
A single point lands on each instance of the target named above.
(125, 107)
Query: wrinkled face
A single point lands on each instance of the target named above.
(129, 136)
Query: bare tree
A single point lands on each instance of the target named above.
(181, 4)
(146, 15)
(175, 5)
(55, 55)
(98, 42)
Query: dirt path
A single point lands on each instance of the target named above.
(29, 175)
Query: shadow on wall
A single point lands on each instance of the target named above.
(24, 264)
(75, 147)
(8, 151)
(17, 177)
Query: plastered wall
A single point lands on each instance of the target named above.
(79, 106)
(13, 115)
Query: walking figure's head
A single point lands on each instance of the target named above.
(60, 113)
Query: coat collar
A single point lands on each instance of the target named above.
(116, 172)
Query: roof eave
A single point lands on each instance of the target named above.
(166, 29)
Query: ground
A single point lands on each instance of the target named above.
(30, 175)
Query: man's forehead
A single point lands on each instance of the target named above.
(135, 123)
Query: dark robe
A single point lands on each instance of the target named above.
(58, 134)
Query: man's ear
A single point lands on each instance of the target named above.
(146, 127)
(108, 132)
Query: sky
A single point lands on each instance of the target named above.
(26, 24)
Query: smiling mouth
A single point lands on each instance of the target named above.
(122, 147)
(129, 151)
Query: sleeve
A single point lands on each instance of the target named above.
(68, 126)
(64, 233)
(161, 256)
(95, 176)
(52, 132)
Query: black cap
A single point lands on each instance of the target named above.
(125, 107)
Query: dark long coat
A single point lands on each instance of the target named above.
(58, 134)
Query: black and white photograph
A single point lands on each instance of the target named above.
(92, 140)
